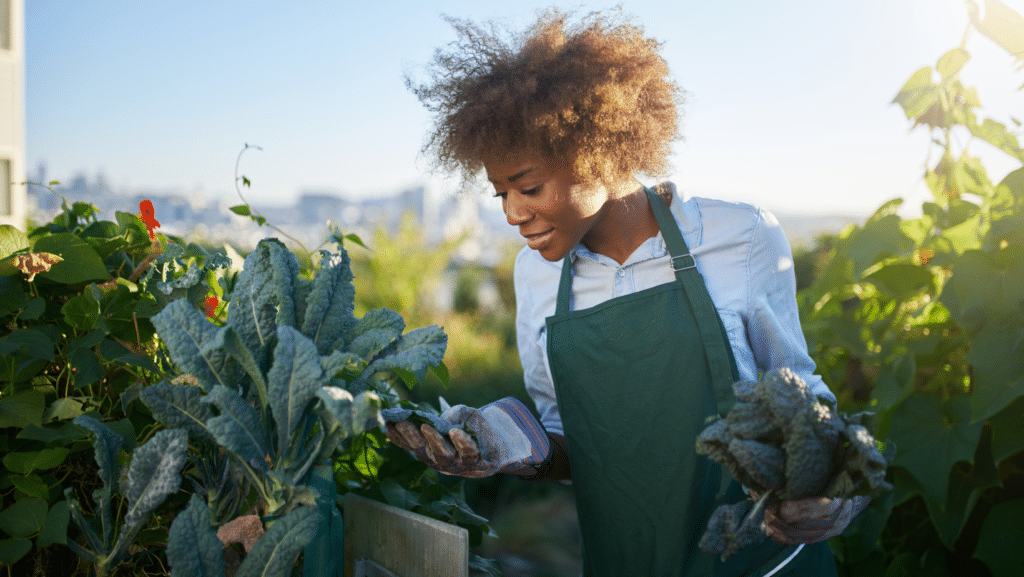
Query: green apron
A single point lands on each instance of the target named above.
(637, 378)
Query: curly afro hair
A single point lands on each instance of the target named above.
(596, 94)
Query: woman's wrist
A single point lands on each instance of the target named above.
(556, 466)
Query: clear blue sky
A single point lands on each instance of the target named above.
(789, 101)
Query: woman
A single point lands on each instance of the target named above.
(636, 310)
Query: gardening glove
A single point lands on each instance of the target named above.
(508, 439)
(811, 520)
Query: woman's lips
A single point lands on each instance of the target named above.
(535, 241)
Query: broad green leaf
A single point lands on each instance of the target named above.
(97, 543)
(398, 496)
(13, 549)
(329, 306)
(274, 553)
(303, 288)
(352, 415)
(115, 352)
(82, 358)
(227, 340)
(186, 332)
(13, 297)
(407, 377)
(376, 330)
(134, 227)
(64, 409)
(878, 239)
(25, 462)
(33, 310)
(932, 436)
(30, 342)
(23, 408)
(155, 474)
(241, 209)
(986, 297)
(339, 361)
(193, 549)
(1006, 437)
(11, 241)
(24, 518)
(32, 486)
(952, 61)
(126, 430)
(961, 237)
(292, 383)
(69, 431)
(178, 406)
(1002, 539)
(264, 296)
(996, 134)
(441, 372)
(355, 238)
(903, 281)
(102, 229)
(967, 484)
(918, 94)
(81, 264)
(55, 529)
(888, 208)
(416, 351)
(87, 367)
(238, 428)
(1002, 25)
(106, 447)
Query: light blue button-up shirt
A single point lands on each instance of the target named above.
(747, 265)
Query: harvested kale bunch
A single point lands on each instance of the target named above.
(782, 442)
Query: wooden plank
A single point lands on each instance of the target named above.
(404, 543)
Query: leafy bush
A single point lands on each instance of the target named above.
(921, 321)
(76, 298)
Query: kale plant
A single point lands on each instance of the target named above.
(782, 442)
(276, 390)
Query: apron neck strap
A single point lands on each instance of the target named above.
(681, 260)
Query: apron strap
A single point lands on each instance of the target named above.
(721, 361)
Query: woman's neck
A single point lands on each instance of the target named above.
(626, 221)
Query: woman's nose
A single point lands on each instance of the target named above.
(516, 210)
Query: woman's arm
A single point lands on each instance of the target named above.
(772, 317)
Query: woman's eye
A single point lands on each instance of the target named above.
(531, 191)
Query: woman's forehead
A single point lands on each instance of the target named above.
(509, 167)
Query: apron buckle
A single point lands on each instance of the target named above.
(686, 264)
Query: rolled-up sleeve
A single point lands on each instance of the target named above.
(772, 318)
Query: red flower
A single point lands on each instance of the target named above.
(210, 306)
(148, 216)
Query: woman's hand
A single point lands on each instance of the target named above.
(508, 440)
(810, 520)
(456, 455)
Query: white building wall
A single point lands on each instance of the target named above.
(12, 113)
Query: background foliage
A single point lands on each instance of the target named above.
(922, 320)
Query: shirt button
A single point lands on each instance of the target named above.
(622, 272)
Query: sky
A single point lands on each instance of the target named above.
(789, 102)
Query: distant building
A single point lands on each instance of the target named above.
(12, 113)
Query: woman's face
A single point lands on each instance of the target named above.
(540, 197)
